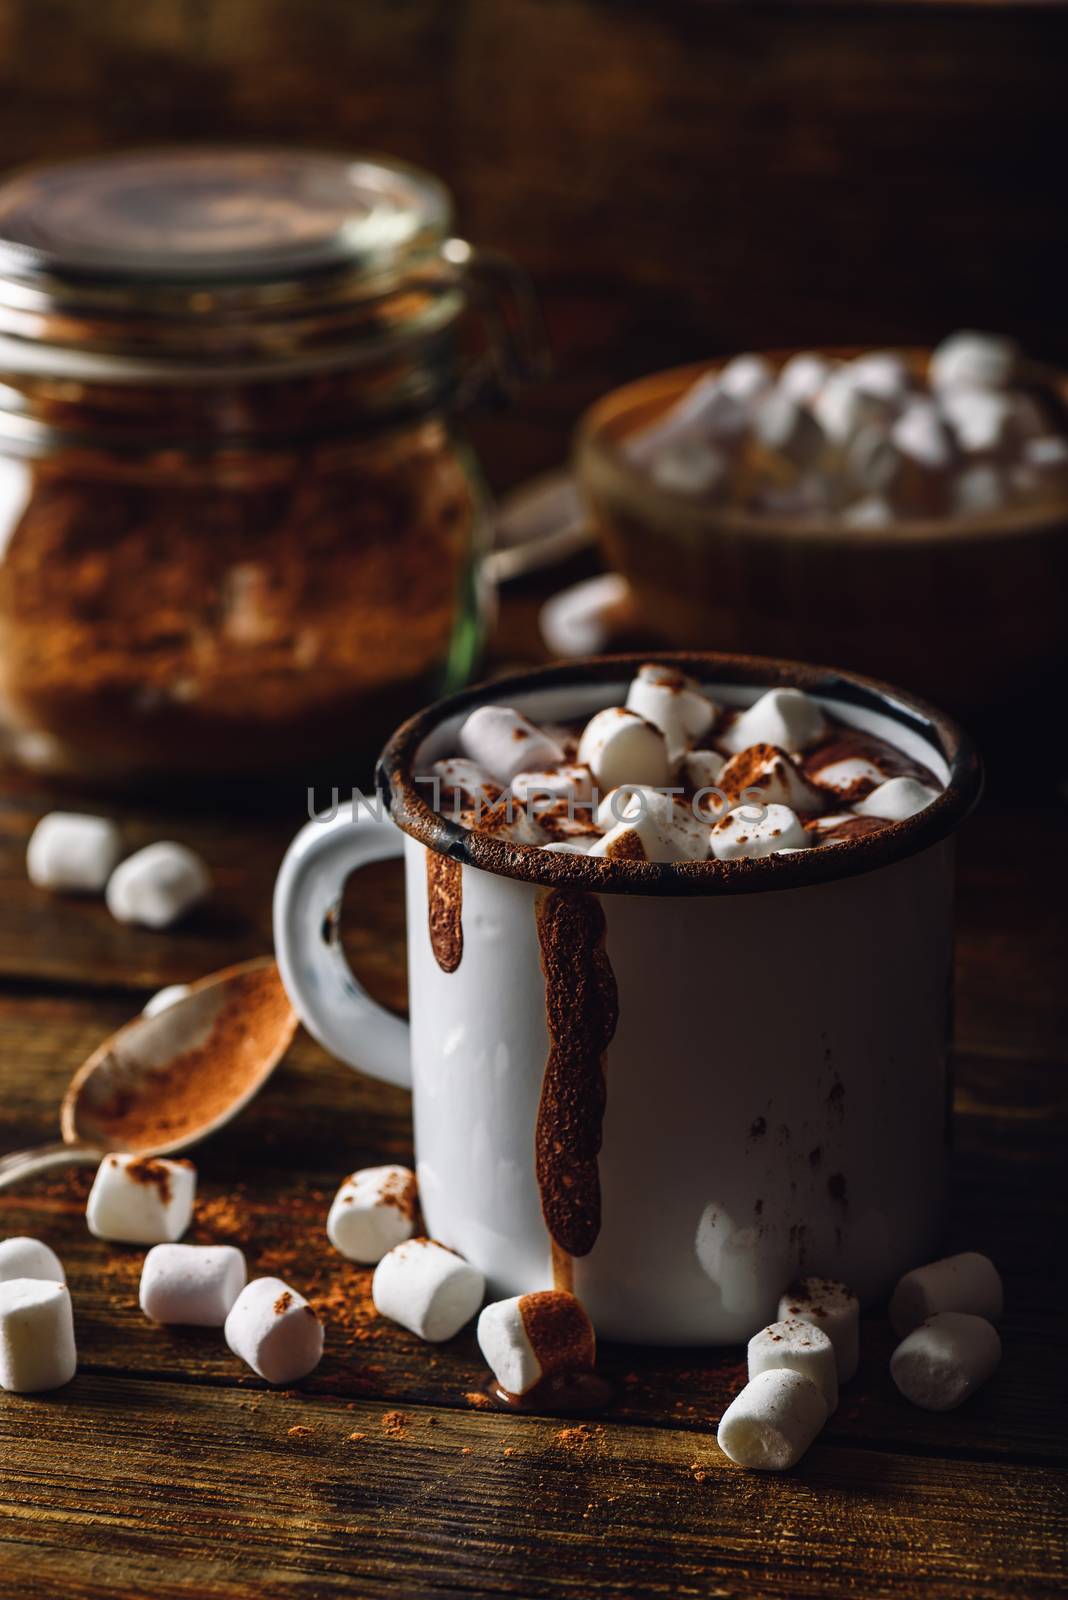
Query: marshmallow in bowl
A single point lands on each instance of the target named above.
(503, 742)
(72, 853)
(770, 1425)
(968, 360)
(980, 489)
(871, 511)
(920, 435)
(673, 703)
(943, 1361)
(803, 376)
(745, 833)
(621, 747)
(770, 774)
(705, 413)
(832, 1307)
(690, 466)
(373, 1211)
(881, 374)
(746, 379)
(896, 799)
(531, 1337)
(427, 1288)
(800, 1346)
(788, 718)
(966, 1282)
(787, 428)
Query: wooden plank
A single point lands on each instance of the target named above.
(151, 1489)
(267, 1181)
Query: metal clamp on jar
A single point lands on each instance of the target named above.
(239, 529)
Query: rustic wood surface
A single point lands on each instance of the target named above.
(166, 1469)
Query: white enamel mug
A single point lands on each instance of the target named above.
(775, 1091)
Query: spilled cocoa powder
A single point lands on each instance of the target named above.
(444, 898)
(581, 1010)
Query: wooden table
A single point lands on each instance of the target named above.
(166, 1469)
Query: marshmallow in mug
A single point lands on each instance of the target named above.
(373, 1211)
(194, 1285)
(770, 1425)
(158, 885)
(73, 853)
(37, 1351)
(141, 1199)
(21, 1257)
(943, 1361)
(673, 703)
(531, 1337)
(273, 1329)
(427, 1288)
(503, 742)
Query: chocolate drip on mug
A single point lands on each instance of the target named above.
(444, 898)
(581, 1011)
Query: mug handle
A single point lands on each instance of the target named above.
(334, 1007)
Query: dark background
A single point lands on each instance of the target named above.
(681, 178)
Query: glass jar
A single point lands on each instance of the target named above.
(239, 530)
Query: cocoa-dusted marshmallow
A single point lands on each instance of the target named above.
(73, 853)
(36, 1336)
(29, 1258)
(848, 775)
(373, 1211)
(705, 412)
(535, 1336)
(194, 1285)
(788, 718)
(158, 885)
(968, 360)
(770, 1425)
(746, 379)
(274, 1330)
(945, 1359)
(842, 407)
(966, 1282)
(703, 767)
(803, 376)
(881, 374)
(567, 782)
(743, 832)
(800, 1346)
(510, 819)
(673, 703)
(833, 1308)
(463, 784)
(773, 776)
(896, 799)
(652, 826)
(427, 1288)
(504, 742)
(141, 1199)
(621, 747)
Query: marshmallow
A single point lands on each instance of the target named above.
(29, 1258)
(535, 1336)
(673, 703)
(620, 747)
(872, 461)
(973, 360)
(274, 1330)
(845, 775)
(36, 1336)
(773, 776)
(746, 379)
(703, 767)
(580, 620)
(809, 495)
(1046, 454)
(803, 376)
(509, 819)
(706, 409)
(945, 1360)
(842, 407)
(579, 844)
(880, 374)
(830, 1307)
(979, 490)
(141, 1199)
(157, 885)
(463, 784)
(568, 782)
(981, 419)
(770, 1425)
(427, 1288)
(689, 466)
(744, 833)
(896, 799)
(192, 1284)
(870, 512)
(164, 999)
(661, 827)
(966, 1282)
(503, 742)
(373, 1211)
(784, 717)
(786, 427)
(69, 851)
(801, 1347)
(920, 435)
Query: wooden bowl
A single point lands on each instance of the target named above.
(971, 612)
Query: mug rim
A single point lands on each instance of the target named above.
(844, 858)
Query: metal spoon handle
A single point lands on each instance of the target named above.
(24, 1163)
